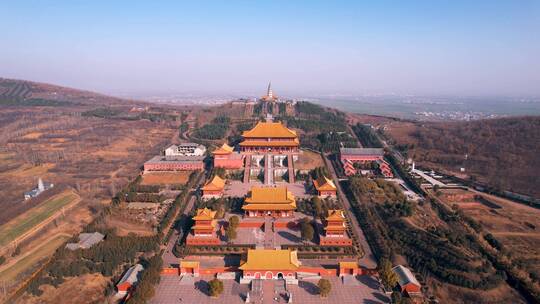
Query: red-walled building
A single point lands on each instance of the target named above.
(226, 158)
(325, 187)
(214, 188)
(179, 163)
(335, 230)
(204, 229)
(268, 264)
(406, 280)
(129, 280)
(270, 137)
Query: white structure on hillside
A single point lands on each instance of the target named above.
(185, 149)
(41, 186)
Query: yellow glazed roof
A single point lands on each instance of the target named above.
(204, 214)
(288, 143)
(224, 149)
(273, 195)
(353, 265)
(270, 129)
(291, 206)
(189, 264)
(324, 184)
(271, 259)
(217, 183)
(335, 214)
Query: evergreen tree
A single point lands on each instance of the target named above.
(388, 277)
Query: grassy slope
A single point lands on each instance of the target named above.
(26, 221)
(45, 250)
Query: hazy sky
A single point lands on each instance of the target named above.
(305, 47)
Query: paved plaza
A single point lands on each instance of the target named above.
(171, 291)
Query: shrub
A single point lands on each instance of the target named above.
(324, 287)
(215, 287)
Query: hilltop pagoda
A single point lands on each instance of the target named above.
(271, 137)
(270, 201)
(269, 94)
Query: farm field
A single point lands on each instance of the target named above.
(30, 219)
(32, 258)
(163, 178)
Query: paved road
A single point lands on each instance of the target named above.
(168, 256)
(368, 260)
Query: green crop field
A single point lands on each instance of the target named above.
(45, 250)
(28, 220)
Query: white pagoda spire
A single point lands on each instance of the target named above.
(269, 92)
(40, 185)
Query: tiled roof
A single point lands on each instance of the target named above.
(405, 275)
(204, 214)
(224, 149)
(270, 129)
(288, 143)
(263, 195)
(131, 274)
(215, 184)
(323, 183)
(335, 214)
(362, 151)
(353, 265)
(271, 259)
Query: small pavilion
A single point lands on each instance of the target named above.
(325, 187)
(213, 188)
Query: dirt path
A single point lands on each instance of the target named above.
(509, 233)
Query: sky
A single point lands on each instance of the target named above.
(431, 47)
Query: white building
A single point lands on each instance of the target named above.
(185, 149)
(37, 191)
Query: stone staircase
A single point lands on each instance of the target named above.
(291, 168)
(247, 169)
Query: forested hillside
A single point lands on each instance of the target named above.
(502, 152)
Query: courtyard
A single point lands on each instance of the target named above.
(363, 289)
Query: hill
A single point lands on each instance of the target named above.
(27, 93)
(500, 152)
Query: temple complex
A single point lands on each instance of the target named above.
(325, 187)
(270, 201)
(270, 137)
(213, 188)
(203, 229)
(335, 230)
